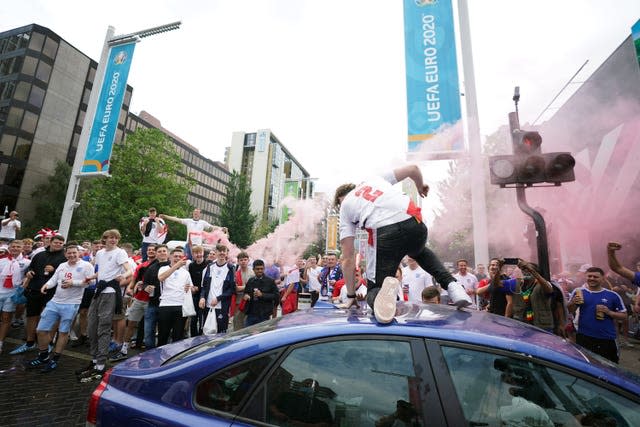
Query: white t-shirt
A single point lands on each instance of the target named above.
(416, 280)
(195, 229)
(77, 272)
(172, 288)
(14, 268)
(218, 274)
(361, 290)
(469, 282)
(371, 205)
(158, 231)
(109, 265)
(8, 230)
(314, 283)
(293, 275)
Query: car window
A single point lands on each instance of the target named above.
(345, 383)
(224, 390)
(497, 390)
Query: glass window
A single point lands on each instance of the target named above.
(350, 383)
(15, 117)
(37, 96)
(22, 91)
(29, 122)
(4, 115)
(80, 120)
(50, 48)
(23, 148)
(501, 390)
(44, 71)
(29, 65)
(85, 96)
(7, 90)
(36, 41)
(92, 74)
(6, 144)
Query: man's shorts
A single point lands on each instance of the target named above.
(6, 304)
(54, 312)
(87, 296)
(125, 302)
(35, 301)
(136, 310)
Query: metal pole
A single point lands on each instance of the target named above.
(538, 220)
(477, 175)
(541, 232)
(74, 182)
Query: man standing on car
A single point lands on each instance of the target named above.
(260, 293)
(395, 228)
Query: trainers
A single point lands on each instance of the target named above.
(114, 348)
(87, 368)
(92, 375)
(384, 306)
(23, 349)
(50, 366)
(36, 363)
(82, 340)
(118, 357)
(458, 295)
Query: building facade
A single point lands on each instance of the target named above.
(45, 84)
(273, 172)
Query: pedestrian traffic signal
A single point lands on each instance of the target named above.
(528, 165)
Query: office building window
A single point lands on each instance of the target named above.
(23, 148)
(36, 42)
(6, 144)
(29, 65)
(50, 48)
(6, 90)
(29, 122)
(22, 91)
(15, 117)
(43, 72)
(37, 96)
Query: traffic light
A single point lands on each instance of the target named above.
(528, 165)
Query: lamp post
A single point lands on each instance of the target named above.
(89, 120)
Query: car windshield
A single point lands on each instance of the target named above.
(224, 340)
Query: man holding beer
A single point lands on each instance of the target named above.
(599, 307)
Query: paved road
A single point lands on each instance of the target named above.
(29, 398)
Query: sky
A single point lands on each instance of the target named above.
(328, 77)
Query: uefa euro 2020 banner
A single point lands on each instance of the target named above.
(433, 95)
(105, 121)
(635, 35)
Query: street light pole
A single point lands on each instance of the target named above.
(76, 172)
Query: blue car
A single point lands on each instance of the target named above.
(432, 366)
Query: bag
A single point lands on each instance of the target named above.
(210, 326)
(188, 309)
(18, 296)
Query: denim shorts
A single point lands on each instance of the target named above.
(6, 304)
(53, 312)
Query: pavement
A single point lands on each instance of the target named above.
(30, 398)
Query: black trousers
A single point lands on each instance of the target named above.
(170, 322)
(605, 348)
(408, 237)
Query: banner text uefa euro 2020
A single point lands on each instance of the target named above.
(433, 95)
(105, 122)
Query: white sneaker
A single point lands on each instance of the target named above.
(384, 307)
(458, 295)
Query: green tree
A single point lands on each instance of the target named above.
(235, 213)
(49, 197)
(145, 172)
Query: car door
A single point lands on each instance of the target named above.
(496, 388)
(348, 381)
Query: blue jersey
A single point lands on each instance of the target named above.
(588, 324)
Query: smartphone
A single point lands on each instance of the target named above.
(511, 261)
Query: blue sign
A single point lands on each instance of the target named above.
(433, 95)
(635, 34)
(105, 122)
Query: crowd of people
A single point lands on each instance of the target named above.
(108, 296)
